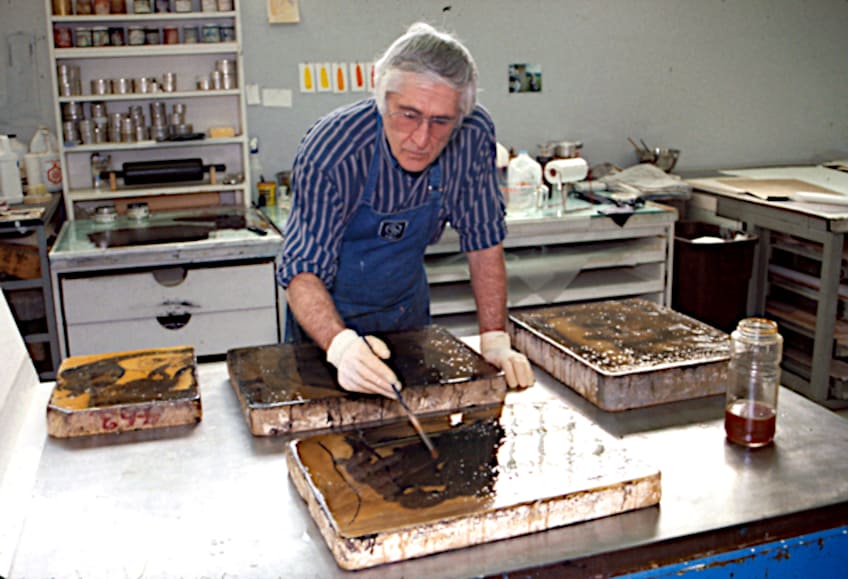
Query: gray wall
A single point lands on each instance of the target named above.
(730, 82)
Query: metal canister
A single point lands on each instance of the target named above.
(210, 33)
(169, 82)
(141, 84)
(98, 110)
(72, 111)
(157, 112)
(62, 37)
(69, 132)
(190, 35)
(142, 6)
(116, 36)
(152, 35)
(85, 129)
(100, 86)
(203, 83)
(128, 130)
(135, 35)
(121, 86)
(100, 36)
(82, 38)
(171, 35)
(62, 8)
(68, 76)
(228, 33)
(216, 81)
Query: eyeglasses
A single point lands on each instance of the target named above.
(409, 121)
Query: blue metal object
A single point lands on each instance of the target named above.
(821, 554)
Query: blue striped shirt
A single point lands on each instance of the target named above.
(331, 167)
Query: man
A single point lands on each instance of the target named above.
(374, 183)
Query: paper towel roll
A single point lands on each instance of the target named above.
(559, 171)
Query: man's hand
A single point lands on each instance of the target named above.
(359, 364)
(497, 350)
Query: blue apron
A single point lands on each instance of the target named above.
(381, 284)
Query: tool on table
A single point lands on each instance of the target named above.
(415, 424)
(409, 414)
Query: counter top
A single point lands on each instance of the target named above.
(211, 500)
(534, 221)
(243, 233)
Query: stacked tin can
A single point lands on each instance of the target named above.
(72, 113)
(158, 121)
(69, 80)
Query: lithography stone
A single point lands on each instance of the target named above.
(288, 388)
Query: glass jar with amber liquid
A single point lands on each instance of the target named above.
(750, 415)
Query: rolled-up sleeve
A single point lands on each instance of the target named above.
(314, 228)
(479, 217)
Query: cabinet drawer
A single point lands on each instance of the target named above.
(209, 333)
(154, 293)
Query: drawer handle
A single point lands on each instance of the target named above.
(173, 321)
(170, 276)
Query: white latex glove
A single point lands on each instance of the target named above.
(496, 349)
(359, 364)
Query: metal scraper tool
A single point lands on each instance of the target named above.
(409, 414)
(416, 425)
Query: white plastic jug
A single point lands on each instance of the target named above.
(44, 144)
(10, 175)
(20, 150)
(524, 177)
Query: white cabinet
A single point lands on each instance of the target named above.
(579, 256)
(197, 83)
(201, 305)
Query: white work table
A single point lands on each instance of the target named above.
(814, 232)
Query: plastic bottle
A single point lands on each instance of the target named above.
(256, 175)
(524, 177)
(10, 175)
(44, 143)
(750, 414)
(20, 150)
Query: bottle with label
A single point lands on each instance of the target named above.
(10, 176)
(256, 176)
(750, 414)
(524, 177)
(20, 150)
(45, 145)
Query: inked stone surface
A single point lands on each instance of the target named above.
(124, 391)
(378, 497)
(287, 388)
(625, 354)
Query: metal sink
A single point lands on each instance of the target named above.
(155, 234)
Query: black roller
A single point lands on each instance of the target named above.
(166, 171)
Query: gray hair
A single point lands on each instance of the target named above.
(426, 51)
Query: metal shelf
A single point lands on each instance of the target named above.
(145, 51)
(154, 17)
(135, 96)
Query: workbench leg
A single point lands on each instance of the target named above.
(831, 267)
